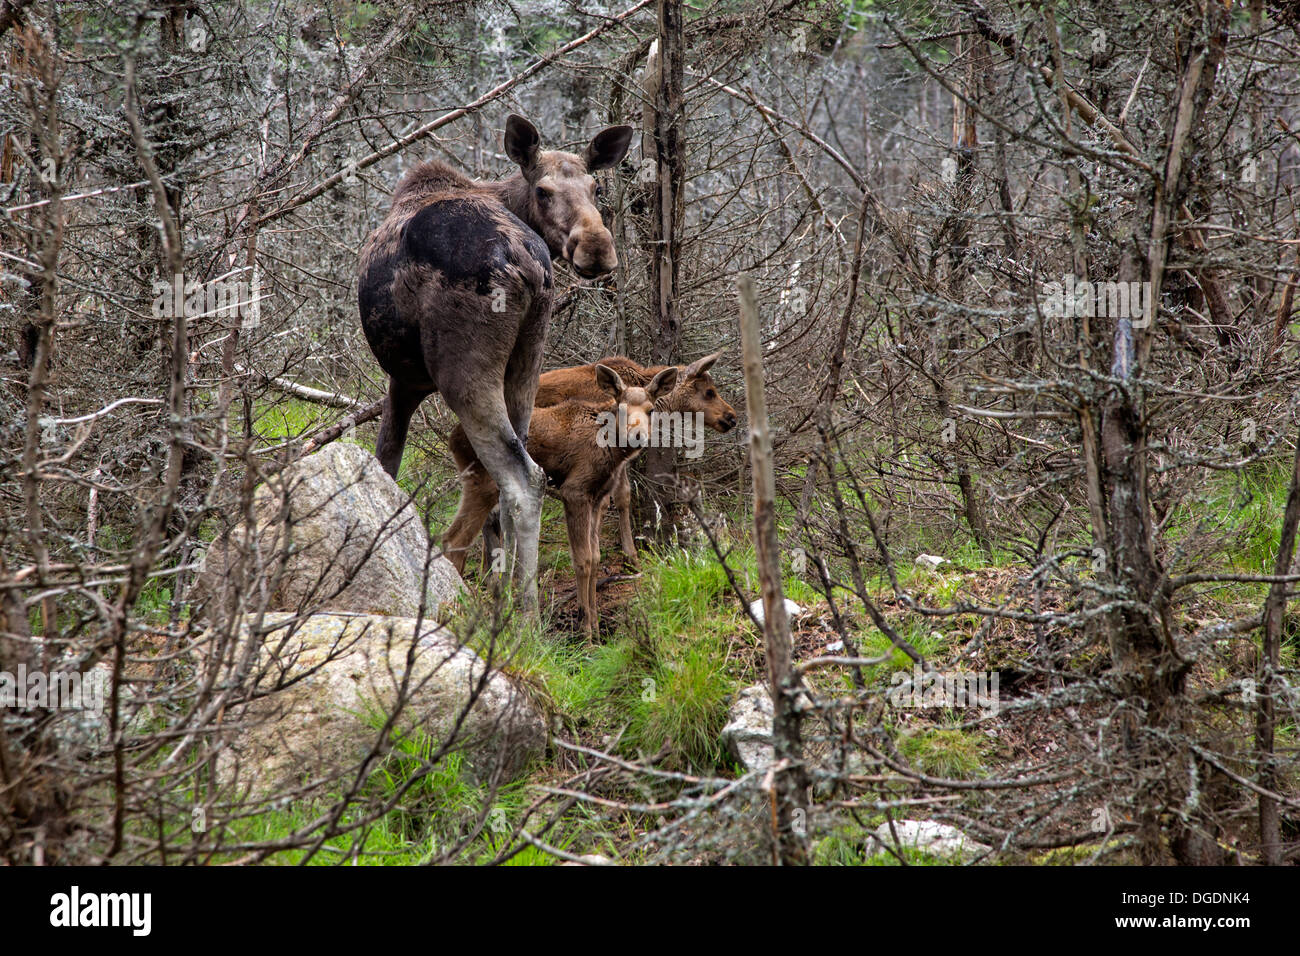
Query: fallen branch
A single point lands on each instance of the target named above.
(319, 440)
(305, 392)
(327, 435)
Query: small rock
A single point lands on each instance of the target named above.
(589, 859)
(930, 561)
(936, 839)
(791, 610)
(834, 646)
(748, 734)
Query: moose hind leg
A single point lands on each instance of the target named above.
(520, 480)
(478, 496)
(520, 390)
(524, 367)
(399, 406)
(622, 495)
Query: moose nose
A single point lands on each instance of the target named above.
(729, 421)
(591, 252)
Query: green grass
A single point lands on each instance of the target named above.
(288, 418)
(690, 624)
(948, 752)
(155, 601)
(440, 805)
(667, 674)
(1242, 515)
(682, 703)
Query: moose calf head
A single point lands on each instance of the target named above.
(561, 205)
(640, 402)
(698, 393)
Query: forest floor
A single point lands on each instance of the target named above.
(675, 646)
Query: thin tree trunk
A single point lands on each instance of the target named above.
(1270, 825)
(1149, 669)
(965, 141)
(789, 781)
(667, 206)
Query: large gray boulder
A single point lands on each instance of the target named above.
(353, 538)
(334, 679)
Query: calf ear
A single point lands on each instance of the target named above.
(700, 366)
(663, 383)
(607, 148)
(522, 141)
(609, 380)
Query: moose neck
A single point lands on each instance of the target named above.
(513, 193)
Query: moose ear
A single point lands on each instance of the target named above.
(608, 379)
(607, 148)
(663, 383)
(522, 141)
(700, 366)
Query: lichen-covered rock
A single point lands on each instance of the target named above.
(340, 676)
(748, 734)
(353, 539)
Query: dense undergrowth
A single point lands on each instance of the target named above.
(675, 649)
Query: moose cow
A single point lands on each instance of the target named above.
(455, 291)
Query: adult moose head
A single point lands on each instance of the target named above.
(455, 290)
(555, 193)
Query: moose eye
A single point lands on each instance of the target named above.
(542, 194)
(710, 394)
(599, 192)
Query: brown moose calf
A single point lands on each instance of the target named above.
(695, 392)
(571, 443)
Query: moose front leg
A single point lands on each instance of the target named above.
(579, 517)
